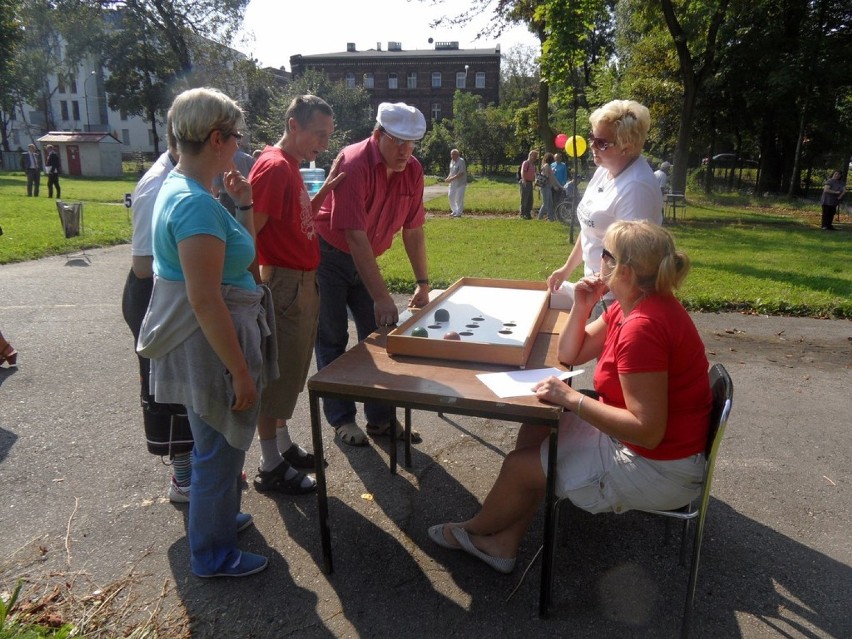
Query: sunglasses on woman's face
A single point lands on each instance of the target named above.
(599, 143)
(606, 255)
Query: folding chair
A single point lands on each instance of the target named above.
(722, 389)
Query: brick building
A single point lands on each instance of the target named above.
(425, 78)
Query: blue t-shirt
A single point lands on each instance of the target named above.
(185, 208)
(560, 172)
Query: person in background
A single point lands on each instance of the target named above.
(560, 170)
(167, 430)
(640, 444)
(662, 175)
(207, 330)
(548, 187)
(54, 168)
(381, 194)
(622, 188)
(288, 257)
(8, 354)
(31, 165)
(457, 180)
(526, 180)
(833, 190)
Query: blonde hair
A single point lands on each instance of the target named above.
(630, 120)
(649, 250)
(196, 113)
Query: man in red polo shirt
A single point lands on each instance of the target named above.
(381, 194)
(288, 256)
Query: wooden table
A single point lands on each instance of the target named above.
(367, 373)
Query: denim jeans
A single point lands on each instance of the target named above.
(215, 501)
(342, 292)
(547, 206)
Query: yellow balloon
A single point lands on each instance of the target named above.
(575, 146)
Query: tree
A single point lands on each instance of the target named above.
(11, 36)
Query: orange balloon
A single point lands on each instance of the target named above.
(575, 146)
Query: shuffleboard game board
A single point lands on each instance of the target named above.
(476, 319)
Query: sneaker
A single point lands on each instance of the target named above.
(178, 494)
(247, 563)
(244, 520)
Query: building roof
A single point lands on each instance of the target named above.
(401, 53)
(78, 137)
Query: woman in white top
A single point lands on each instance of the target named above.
(622, 188)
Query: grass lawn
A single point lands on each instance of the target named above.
(749, 254)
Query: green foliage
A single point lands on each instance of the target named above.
(434, 151)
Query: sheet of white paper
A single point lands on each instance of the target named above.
(519, 383)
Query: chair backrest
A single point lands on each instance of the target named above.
(722, 388)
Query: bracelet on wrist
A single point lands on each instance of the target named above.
(423, 282)
(246, 207)
(579, 404)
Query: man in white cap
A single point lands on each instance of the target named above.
(382, 193)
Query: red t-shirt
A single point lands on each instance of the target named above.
(370, 201)
(658, 335)
(289, 237)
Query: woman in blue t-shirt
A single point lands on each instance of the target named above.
(205, 330)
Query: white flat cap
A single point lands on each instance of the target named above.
(401, 120)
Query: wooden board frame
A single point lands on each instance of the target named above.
(400, 342)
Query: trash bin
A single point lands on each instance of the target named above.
(71, 216)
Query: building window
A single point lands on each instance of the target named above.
(369, 81)
(72, 84)
(436, 111)
(63, 107)
(350, 80)
(125, 137)
(75, 109)
(411, 80)
(480, 79)
(461, 79)
(16, 138)
(123, 115)
(436, 79)
(393, 83)
(151, 137)
(60, 82)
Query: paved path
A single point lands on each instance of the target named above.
(84, 503)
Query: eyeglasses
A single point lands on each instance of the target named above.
(606, 255)
(225, 136)
(398, 141)
(599, 143)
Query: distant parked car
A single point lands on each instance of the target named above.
(731, 161)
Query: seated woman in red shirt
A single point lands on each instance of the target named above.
(641, 444)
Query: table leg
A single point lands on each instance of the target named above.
(392, 439)
(408, 462)
(322, 489)
(549, 526)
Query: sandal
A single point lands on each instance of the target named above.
(275, 479)
(300, 459)
(7, 352)
(349, 433)
(384, 431)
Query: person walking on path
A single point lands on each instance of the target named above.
(526, 180)
(31, 164)
(54, 169)
(457, 180)
(288, 257)
(832, 192)
(381, 194)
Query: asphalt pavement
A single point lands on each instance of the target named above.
(85, 505)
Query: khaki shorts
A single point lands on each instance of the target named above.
(296, 298)
(599, 474)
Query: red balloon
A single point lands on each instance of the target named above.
(560, 141)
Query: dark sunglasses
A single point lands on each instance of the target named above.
(599, 143)
(606, 255)
(225, 136)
